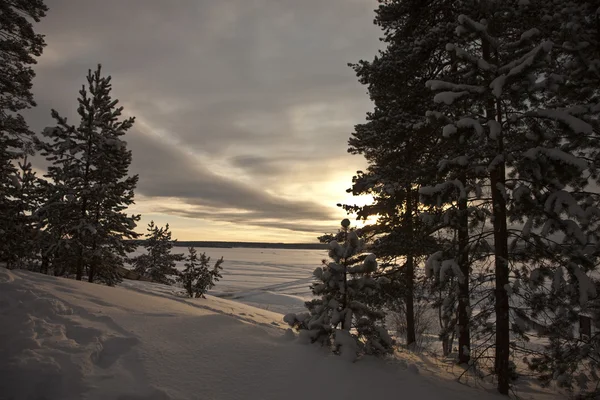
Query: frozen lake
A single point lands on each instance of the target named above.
(274, 279)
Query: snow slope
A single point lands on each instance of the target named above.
(63, 339)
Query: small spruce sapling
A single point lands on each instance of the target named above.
(343, 317)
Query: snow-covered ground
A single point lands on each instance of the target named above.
(63, 339)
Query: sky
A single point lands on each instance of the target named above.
(243, 107)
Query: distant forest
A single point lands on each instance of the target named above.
(247, 245)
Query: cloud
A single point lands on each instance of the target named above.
(236, 102)
(166, 172)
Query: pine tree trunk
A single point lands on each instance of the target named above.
(501, 271)
(464, 334)
(410, 273)
(345, 295)
(45, 263)
(410, 306)
(497, 183)
(86, 184)
(79, 270)
(93, 264)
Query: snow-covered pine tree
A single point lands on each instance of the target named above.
(342, 317)
(158, 263)
(398, 142)
(539, 149)
(563, 205)
(19, 45)
(90, 167)
(198, 277)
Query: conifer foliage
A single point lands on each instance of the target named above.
(536, 152)
(341, 317)
(158, 263)
(19, 45)
(198, 277)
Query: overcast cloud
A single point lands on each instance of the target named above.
(243, 107)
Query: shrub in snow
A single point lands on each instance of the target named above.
(158, 263)
(342, 317)
(198, 277)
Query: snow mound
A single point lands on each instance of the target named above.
(63, 339)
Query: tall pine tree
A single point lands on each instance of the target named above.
(89, 176)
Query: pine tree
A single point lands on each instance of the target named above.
(536, 150)
(19, 45)
(92, 188)
(158, 263)
(197, 277)
(343, 318)
(393, 148)
(402, 146)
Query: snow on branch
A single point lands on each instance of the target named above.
(497, 85)
(449, 130)
(517, 67)
(470, 123)
(449, 98)
(562, 200)
(462, 54)
(436, 85)
(451, 265)
(433, 264)
(444, 187)
(477, 27)
(495, 129)
(558, 155)
(587, 288)
(576, 124)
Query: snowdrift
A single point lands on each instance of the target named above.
(63, 339)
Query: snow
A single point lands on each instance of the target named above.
(443, 85)
(64, 339)
(558, 155)
(495, 129)
(449, 130)
(528, 35)
(561, 200)
(577, 125)
(448, 98)
(518, 66)
(470, 123)
(497, 85)
(451, 265)
(587, 289)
